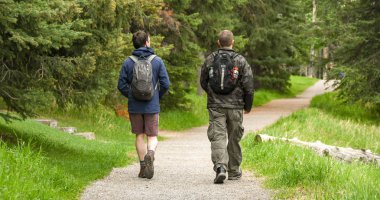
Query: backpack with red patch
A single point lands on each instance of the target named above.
(223, 73)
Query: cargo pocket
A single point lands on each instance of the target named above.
(210, 131)
(240, 132)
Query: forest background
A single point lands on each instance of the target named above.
(67, 54)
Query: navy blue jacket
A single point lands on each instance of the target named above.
(159, 74)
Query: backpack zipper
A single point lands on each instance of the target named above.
(222, 78)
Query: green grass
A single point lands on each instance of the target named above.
(330, 103)
(184, 119)
(313, 124)
(299, 172)
(25, 174)
(102, 121)
(69, 163)
(298, 85)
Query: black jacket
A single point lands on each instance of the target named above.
(242, 96)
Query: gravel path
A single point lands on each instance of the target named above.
(183, 167)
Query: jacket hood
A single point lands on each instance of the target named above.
(143, 52)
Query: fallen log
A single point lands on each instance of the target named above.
(342, 153)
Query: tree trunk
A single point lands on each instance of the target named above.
(342, 153)
(311, 69)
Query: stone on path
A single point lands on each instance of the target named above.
(70, 130)
(87, 135)
(50, 122)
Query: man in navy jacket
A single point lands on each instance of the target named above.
(144, 114)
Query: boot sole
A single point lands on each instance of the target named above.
(149, 168)
(220, 178)
(234, 178)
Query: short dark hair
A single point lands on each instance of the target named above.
(139, 39)
(225, 38)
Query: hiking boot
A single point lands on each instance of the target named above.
(220, 175)
(149, 168)
(235, 176)
(141, 173)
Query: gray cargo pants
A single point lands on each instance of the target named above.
(225, 132)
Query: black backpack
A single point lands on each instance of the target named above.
(142, 82)
(223, 74)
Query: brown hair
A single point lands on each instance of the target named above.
(225, 38)
(139, 39)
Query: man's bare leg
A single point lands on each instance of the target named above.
(141, 149)
(152, 143)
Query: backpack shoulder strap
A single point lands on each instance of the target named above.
(151, 57)
(234, 55)
(134, 58)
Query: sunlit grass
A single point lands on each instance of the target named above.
(298, 172)
(332, 104)
(313, 124)
(62, 164)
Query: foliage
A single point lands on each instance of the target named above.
(351, 31)
(71, 50)
(30, 34)
(61, 53)
(271, 49)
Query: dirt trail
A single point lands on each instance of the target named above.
(183, 167)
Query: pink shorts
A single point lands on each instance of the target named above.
(144, 123)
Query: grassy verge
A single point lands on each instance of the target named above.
(184, 119)
(331, 104)
(298, 85)
(56, 164)
(300, 173)
(313, 124)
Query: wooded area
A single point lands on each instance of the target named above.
(65, 53)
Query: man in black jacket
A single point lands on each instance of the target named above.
(226, 109)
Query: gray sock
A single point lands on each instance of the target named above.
(151, 151)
